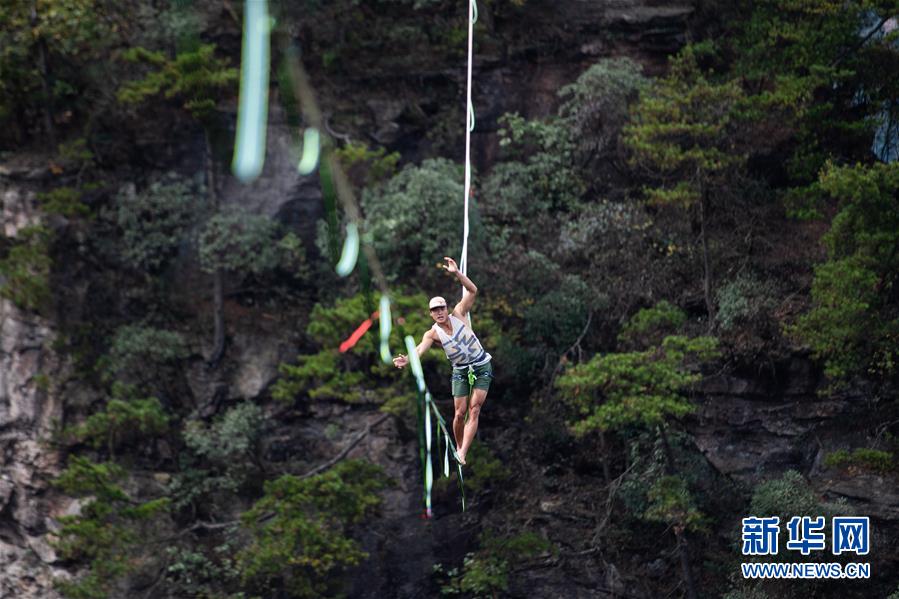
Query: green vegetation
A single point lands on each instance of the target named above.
(684, 129)
(643, 388)
(853, 325)
(243, 243)
(26, 269)
(359, 375)
(298, 530)
(366, 166)
(111, 528)
(197, 77)
(413, 218)
(143, 352)
(485, 573)
(65, 201)
(220, 459)
(869, 459)
(122, 421)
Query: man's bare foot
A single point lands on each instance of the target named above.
(461, 458)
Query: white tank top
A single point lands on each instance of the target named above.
(463, 349)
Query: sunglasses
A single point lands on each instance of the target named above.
(438, 308)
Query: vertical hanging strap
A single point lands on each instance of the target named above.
(386, 322)
(427, 402)
(252, 104)
(469, 127)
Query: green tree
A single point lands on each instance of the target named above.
(818, 73)
(198, 79)
(645, 390)
(25, 270)
(853, 324)
(359, 374)
(221, 458)
(122, 421)
(298, 530)
(414, 218)
(595, 106)
(155, 221)
(684, 131)
(46, 51)
(145, 355)
(485, 572)
(111, 530)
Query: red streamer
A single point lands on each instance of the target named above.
(357, 334)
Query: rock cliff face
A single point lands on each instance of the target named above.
(748, 425)
(30, 405)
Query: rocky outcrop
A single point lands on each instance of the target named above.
(750, 424)
(28, 411)
(30, 407)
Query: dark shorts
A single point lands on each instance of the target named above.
(483, 375)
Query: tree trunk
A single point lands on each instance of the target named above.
(218, 277)
(707, 269)
(683, 545)
(683, 548)
(45, 81)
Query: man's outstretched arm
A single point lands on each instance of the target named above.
(469, 290)
(426, 341)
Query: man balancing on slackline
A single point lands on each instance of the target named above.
(463, 349)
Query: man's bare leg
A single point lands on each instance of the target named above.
(478, 397)
(461, 405)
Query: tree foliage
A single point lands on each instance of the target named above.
(358, 374)
(198, 78)
(683, 129)
(595, 106)
(244, 243)
(25, 270)
(641, 388)
(120, 422)
(853, 324)
(110, 529)
(298, 530)
(414, 218)
(221, 458)
(47, 48)
(156, 221)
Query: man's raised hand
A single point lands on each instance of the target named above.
(450, 267)
(400, 361)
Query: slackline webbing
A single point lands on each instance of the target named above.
(469, 127)
(425, 398)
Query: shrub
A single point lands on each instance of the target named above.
(595, 106)
(414, 219)
(744, 299)
(486, 572)
(870, 459)
(143, 352)
(110, 531)
(649, 325)
(26, 269)
(240, 242)
(298, 530)
(120, 422)
(221, 457)
(643, 388)
(156, 221)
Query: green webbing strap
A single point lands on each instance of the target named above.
(386, 322)
(350, 251)
(311, 151)
(329, 197)
(425, 397)
(442, 423)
